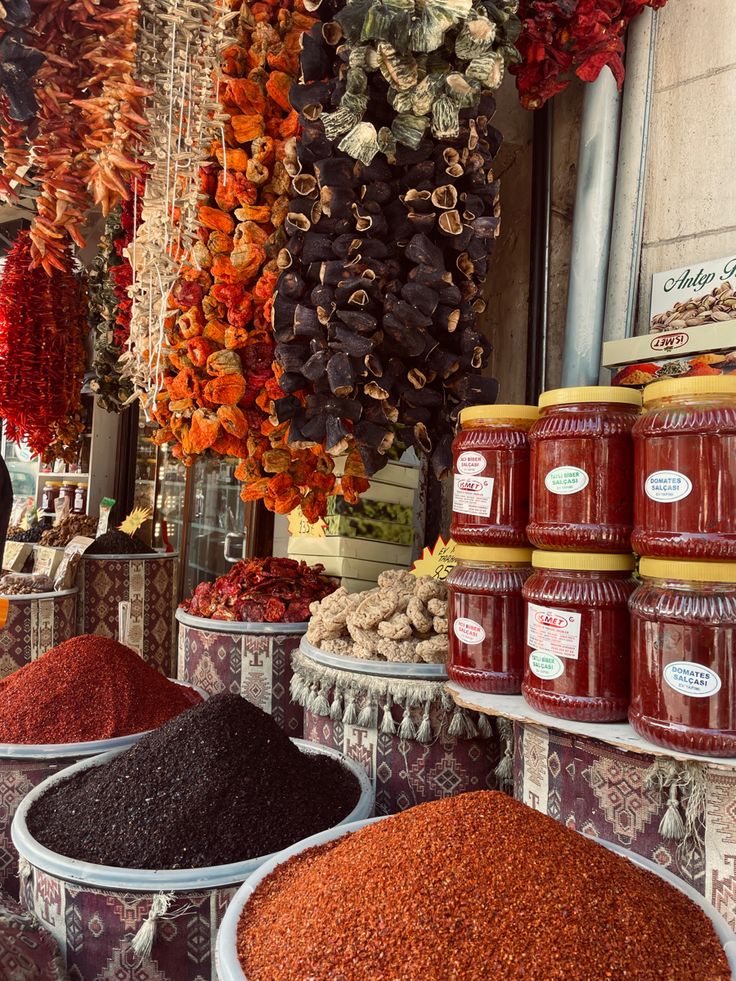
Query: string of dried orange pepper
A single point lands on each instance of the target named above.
(219, 383)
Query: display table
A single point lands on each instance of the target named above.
(603, 779)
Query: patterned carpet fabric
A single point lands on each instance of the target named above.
(27, 952)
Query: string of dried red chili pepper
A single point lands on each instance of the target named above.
(77, 159)
(560, 39)
(43, 323)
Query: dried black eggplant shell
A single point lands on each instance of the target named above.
(301, 95)
(286, 408)
(335, 172)
(317, 247)
(291, 356)
(292, 286)
(291, 381)
(424, 298)
(356, 345)
(358, 320)
(316, 365)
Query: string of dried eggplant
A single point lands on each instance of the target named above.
(394, 213)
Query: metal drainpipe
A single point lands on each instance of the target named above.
(628, 212)
(536, 361)
(591, 233)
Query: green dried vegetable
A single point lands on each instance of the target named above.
(107, 384)
(437, 56)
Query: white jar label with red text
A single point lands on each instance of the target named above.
(472, 495)
(566, 480)
(553, 631)
(667, 486)
(694, 680)
(545, 666)
(468, 631)
(470, 463)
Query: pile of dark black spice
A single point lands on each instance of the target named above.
(116, 542)
(219, 783)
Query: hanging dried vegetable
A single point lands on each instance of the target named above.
(179, 62)
(88, 122)
(43, 324)
(561, 39)
(390, 228)
(219, 380)
(18, 61)
(109, 304)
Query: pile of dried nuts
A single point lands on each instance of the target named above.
(70, 527)
(404, 619)
(718, 305)
(18, 585)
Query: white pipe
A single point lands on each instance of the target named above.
(628, 211)
(591, 233)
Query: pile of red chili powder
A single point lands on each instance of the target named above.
(85, 689)
(475, 886)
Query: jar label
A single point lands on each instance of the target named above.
(471, 463)
(472, 495)
(694, 680)
(553, 631)
(667, 486)
(468, 631)
(566, 480)
(545, 666)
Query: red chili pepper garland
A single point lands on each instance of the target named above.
(271, 590)
(43, 324)
(563, 38)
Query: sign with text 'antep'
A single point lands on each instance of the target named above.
(676, 286)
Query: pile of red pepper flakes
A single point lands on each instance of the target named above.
(563, 38)
(43, 325)
(268, 590)
(220, 383)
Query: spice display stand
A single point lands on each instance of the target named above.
(107, 920)
(671, 807)
(148, 583)
(35, 622)
(398, 722)
(250, 659)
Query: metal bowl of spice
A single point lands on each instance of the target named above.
(130, 880)
(94, 747)
(418, 935)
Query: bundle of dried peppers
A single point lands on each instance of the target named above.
(43, 325)
(219, 382)
(564, 38)
(79, 150)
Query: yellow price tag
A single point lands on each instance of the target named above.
(4, 607)
(438, 561)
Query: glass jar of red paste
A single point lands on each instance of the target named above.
(683, 656)
(582, 465)
(685, 469)
(486, 617)
(577, 635)
(491, 475)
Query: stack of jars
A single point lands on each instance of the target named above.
(683, 615)
(563, 635)
(555, 623)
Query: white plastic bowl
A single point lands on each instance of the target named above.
(153, 880)
(226, 956)
(62, 751)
